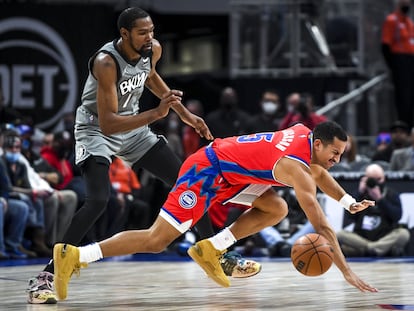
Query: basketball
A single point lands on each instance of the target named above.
(312, 254)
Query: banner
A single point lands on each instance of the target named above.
(44, 51)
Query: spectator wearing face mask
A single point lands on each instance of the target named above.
(21, 189)
(398, 51)
(303, 107)
(270, 113)
(292, 102)
(228, 119)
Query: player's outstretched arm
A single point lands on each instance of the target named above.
(305, 189)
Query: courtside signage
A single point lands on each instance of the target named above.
(37, 70)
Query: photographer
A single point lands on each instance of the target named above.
(376, 230)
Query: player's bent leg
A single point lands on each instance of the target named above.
(208, 258)
(66, 262)
(236, 266)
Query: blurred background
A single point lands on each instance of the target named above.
(328, 48)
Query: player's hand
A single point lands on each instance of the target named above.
(197, 123)
(354, 280)
(360, 206)
(200, 127)
(169, 99)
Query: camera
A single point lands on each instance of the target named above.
(371, 182)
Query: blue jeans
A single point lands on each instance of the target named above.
(15, 221)
(36, 216)
(2, 212)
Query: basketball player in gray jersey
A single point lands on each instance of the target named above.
(109, 123)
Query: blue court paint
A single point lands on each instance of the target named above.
(397, 307)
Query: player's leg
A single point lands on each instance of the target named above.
(268, 209)
(162, 162)
(69, 259)
(94, 169)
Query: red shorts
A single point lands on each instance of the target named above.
(198, 186)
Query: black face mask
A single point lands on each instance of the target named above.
(405, 9)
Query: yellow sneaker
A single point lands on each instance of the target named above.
(65, 262)
(236, 266)
(208, 258)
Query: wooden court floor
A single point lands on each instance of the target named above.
(182, 285)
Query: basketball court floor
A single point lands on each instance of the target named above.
(170, 282)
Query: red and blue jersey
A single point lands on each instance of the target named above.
(250, 159)
(217, 173)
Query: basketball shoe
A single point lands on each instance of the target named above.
(236, 266)
(40, 289)
(208, 258)
(66, 262)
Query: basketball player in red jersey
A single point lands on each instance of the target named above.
(240, 169)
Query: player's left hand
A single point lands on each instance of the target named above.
(198, 124)
(201, 128)
(360, 206)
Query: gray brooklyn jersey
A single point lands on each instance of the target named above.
(90, 140)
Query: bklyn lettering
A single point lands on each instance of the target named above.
(132, 83)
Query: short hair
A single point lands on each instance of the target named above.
(327, 131)
(11, 137)
(128, 17)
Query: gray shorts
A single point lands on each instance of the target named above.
(129, 146)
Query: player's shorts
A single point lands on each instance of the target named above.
(129, 146)
(199, 185)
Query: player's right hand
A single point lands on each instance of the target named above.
(360, 206)
(354, 280)
(167, 100)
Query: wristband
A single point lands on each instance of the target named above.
(347, 201)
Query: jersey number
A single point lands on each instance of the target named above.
(255, 138)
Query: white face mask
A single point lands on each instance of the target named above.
(269, 107)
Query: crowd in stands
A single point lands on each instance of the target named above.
(41, 188)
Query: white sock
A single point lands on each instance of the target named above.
(90, 253)
(223, 240)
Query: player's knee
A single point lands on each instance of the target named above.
(282, 208)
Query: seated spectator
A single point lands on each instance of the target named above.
(403, 159)
(21, 189)
(399, 139)
(61, 205)
(376, 230)
(13, 219)
(382, 141)
(57, 155)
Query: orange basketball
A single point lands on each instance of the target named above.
(312, 254)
